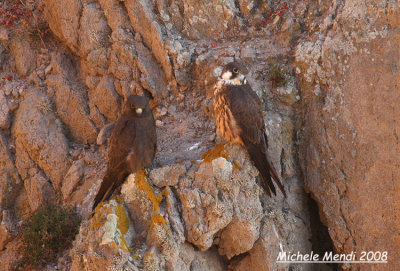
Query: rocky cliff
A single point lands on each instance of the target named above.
(326, 72)
(349, 78)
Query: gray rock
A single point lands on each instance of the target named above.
(71, 103)
(72, 178)
(24, 56)
(5, 112)
(167, 176)
(10, 182)
(8, 229)
(39, 191)
(94, 30)
(141, 201)
(248, 53)
(3, 33)
(152, 78)
(107, 234)
(39, 136)
(106, 98)
(64, 20)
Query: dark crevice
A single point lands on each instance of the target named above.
(148, 94)
(320, 239)
(235, 260)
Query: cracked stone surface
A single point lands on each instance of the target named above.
(65, 71)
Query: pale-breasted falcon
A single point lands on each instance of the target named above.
(239, 119)
(132, 145)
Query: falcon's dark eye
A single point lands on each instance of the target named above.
(235, 70)
(132, 106)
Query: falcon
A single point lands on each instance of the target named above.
(239, 119)
(132, 145)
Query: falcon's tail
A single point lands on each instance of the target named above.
(110, 183)
(266, 169)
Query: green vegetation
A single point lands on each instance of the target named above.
(277, 75)
(50, 230)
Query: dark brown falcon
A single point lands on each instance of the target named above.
(239, 119)
(132, 145)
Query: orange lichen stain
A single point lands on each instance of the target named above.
(165, 192)
(217, 151)
(143, 185)
(123, 226)
(123, 246)
(100, 215)
(118, 198)
(179, 162)
(158, 219)
(149, 255)
(140, 181)
(134, 255)
(159, 164)
(123, 221)
(236, 165)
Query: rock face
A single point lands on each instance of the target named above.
(39, 137)
(349, 151)
(331, 116)
(215, 207)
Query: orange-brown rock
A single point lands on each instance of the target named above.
(349, 154)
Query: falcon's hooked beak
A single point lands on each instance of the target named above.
(139, 110)
(242, 79)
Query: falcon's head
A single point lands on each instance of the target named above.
(136, 106)
(234, 73)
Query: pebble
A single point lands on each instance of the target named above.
(48, 69)
(159, 124)
(164, 111)
(41, 74)
(8, 89)
(75, 153)
(212, 137)
(15, 93)
(13, 105)
(3, 34)
(22, 89)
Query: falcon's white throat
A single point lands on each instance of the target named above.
(227, 75)
(226, 79)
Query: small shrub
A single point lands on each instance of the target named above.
(277, 75)
(23, 20)
(50, 230)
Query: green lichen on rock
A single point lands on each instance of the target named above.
(112, 217)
